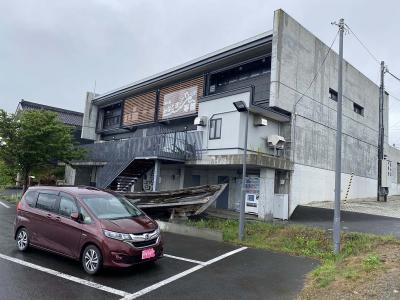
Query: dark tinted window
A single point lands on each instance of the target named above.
(333, 94)
(67, 206)
(112, 116)
(30, 198)
(47, 202)
(358, 109)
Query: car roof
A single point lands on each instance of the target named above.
(74, 190)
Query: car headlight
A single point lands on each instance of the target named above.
(157, 231)
(116, 235)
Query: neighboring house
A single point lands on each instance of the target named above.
(68, 117)
(180, 128)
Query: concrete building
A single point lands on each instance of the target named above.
(179, 128)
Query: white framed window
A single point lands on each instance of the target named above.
(215, 129)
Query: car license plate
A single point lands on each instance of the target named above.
(148, 253)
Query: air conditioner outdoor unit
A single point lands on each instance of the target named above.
(276, 141)
(200, 121)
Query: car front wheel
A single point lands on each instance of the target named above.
(92, 260)
(22, 239)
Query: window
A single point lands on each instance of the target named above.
(47, 202)
(112, 116)
(234, 77)
(333, 94)
(111, 207)
(358, 109)
(67, 206)
(85, 217)
(30, 198)
(215, 129)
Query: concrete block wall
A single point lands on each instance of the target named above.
(297, 55)
(90, 118)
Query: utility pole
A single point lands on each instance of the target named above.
(338, 169)
(381, 193)
(241, 107)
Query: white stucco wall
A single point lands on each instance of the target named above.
(311, 184)
(394, 158)
(232, 128)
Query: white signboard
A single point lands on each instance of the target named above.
(180, 103)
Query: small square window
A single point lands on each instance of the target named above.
(215, 129)
(333, 94)
(358, 109)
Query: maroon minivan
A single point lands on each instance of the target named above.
(99, 228)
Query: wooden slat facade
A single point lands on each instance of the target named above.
(139, 109)
(195, 82)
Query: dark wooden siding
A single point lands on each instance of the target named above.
(139, 109)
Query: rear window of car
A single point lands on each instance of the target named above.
(31, 197)
(47, 202)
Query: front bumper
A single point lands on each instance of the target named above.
(119, 254)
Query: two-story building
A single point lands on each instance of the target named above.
(180, 128)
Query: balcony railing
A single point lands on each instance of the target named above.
(119, 154)
(179, 146)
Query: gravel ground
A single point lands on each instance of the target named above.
(391, 208)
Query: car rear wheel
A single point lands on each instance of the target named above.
(92, 260)
(22, 239)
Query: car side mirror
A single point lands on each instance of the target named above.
(75, 216)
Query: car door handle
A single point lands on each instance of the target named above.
(58, 219)
(49, 216)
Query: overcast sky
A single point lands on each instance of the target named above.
(52, 52)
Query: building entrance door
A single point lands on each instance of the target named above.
(222, 201)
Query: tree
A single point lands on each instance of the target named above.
(33, 140)
(6, 175)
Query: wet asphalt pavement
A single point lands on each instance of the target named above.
(248, 274)
(350, 221)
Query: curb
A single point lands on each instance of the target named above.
(190, 231)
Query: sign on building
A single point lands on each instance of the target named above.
(180, 103)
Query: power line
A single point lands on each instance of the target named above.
(387, 71)
(363, 45)
(394, 97)
(316, 73)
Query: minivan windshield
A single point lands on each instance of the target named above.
(108, 206)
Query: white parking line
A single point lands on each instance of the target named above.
(125, 295)
(66, 276)
(185, 259)
(5, 205)
(180, 275)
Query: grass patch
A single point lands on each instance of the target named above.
(372, 262)
(10, 198)
(308, 241)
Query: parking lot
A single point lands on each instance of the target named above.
(191, 269)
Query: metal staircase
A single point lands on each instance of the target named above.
(131, 174)
(126, 160)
